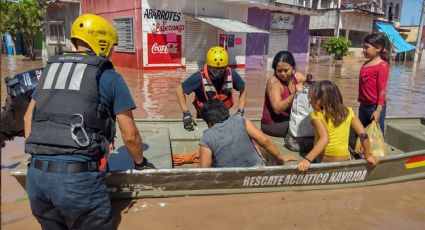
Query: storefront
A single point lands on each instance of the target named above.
(278, 38)
(203, 32)
(288, 31)
(199, 37)
(177, 37)
(161, 34)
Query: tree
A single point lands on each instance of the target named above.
(3, 9)
(337, 46)
(25, 17)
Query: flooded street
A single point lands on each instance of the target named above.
(154, 92)
(12, 65)
(393, 206)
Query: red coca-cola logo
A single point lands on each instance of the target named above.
(163, 50)
(169, 48)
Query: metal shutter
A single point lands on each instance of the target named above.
(199, 37)
(278, 41)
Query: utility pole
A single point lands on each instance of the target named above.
(339, 18)
(419, 38)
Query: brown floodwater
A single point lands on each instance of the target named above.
(393, 206)
(154, 91)
(12, 65)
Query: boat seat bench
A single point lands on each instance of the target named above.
(405, 135)
(156, 148)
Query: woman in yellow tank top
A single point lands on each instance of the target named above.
(332, 121)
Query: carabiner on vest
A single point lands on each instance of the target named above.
(77, 126)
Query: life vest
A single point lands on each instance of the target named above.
(210, 92)
(68, 117)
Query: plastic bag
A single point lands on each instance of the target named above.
(300, 123)
(376, 140)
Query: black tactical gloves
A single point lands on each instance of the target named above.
(188, 121)
(144, 165)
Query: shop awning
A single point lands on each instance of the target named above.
(231, 26)
(394, 37)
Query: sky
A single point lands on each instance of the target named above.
(410, 12)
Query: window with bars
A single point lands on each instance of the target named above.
(326, 4)
(55, 32)
(306, 3)
(396, 11)
(124, 27)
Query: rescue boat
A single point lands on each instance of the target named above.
(404, 161)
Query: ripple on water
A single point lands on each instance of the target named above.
(154, 91)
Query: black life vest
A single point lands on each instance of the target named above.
(68, 117)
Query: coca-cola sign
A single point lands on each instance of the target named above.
(170, 48)
(163, 51)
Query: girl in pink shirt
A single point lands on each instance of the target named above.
(373, 80)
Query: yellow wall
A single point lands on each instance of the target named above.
(412, 35)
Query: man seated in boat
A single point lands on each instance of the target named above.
(229, 140)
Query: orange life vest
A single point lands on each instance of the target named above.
(210, 92)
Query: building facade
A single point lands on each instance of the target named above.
(410, 33)
(392, 11)
(60, 14)
(162, 34)
(351, 19)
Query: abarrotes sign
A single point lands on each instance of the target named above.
(163, 29)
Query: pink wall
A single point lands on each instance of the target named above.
(111, 9)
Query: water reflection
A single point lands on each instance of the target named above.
(394, 206)
(154, 91)
(11, 65)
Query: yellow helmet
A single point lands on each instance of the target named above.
(96, 31)
(217, 57)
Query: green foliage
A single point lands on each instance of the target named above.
(3, 9)
(337, 46)
(25, 17)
